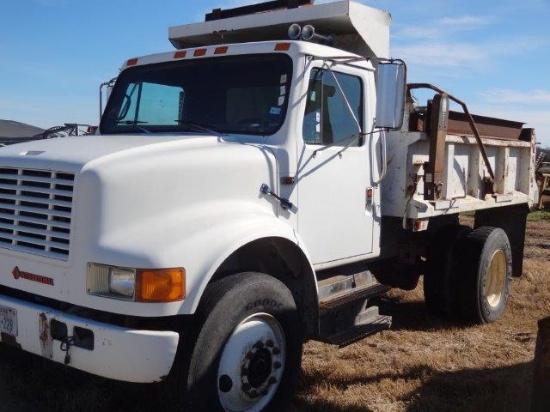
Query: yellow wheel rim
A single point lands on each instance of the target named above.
(496, 279)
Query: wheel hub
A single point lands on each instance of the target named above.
(259, 366)
(496, 279)
(252, 364)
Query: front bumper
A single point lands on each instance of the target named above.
(116, 353)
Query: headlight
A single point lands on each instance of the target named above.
(122, 282)
(140, 285)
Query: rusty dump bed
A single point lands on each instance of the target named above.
(444, 162)
(487, 126)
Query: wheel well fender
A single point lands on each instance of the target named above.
(249, 243)
(285, 261)
(513, 220)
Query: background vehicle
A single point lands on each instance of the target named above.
(246, 192)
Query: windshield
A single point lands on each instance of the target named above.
(240, 94)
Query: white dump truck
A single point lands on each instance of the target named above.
(261, 185)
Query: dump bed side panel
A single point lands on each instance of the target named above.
(464, 185)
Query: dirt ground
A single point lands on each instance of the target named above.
(421, 364)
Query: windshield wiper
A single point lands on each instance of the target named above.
(198, 127)
(135, 124)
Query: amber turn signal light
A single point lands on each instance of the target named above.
(160, 285)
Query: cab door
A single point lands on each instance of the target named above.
(335, 213)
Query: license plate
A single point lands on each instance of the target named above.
(8, 320)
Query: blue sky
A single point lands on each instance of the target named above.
(493, 54)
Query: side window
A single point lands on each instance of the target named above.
(327, 119)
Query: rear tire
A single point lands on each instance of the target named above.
(246, 352)
(486, 271)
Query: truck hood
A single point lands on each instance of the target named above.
(137, 201)
(73, 153)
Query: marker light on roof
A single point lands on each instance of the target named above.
(221, 50)
(282, 46)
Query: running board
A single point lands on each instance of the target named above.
(352, 296)
(342, 290)
(346, 310)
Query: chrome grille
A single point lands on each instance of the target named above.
(35, 211)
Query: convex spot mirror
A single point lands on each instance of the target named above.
(391, 82)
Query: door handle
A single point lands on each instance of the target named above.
(285, 203)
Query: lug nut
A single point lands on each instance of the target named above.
(277, 365)
(269, 343)
(272, 380)
(259, 344)
(276, 350)
(254, 393)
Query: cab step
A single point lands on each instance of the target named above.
(346, 309)
(342, 290)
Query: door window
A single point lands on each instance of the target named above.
(327, 119)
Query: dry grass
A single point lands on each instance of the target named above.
(426, 364)
(422, 364)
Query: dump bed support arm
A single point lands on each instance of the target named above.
(471, 121)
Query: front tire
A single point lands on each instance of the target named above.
(247, 353)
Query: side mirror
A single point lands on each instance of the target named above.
(108, 86)
(391, 88)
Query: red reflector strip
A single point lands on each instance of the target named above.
(180, 54)
(282, 46)
(199, 52)
(221, 50)
(132, 62)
